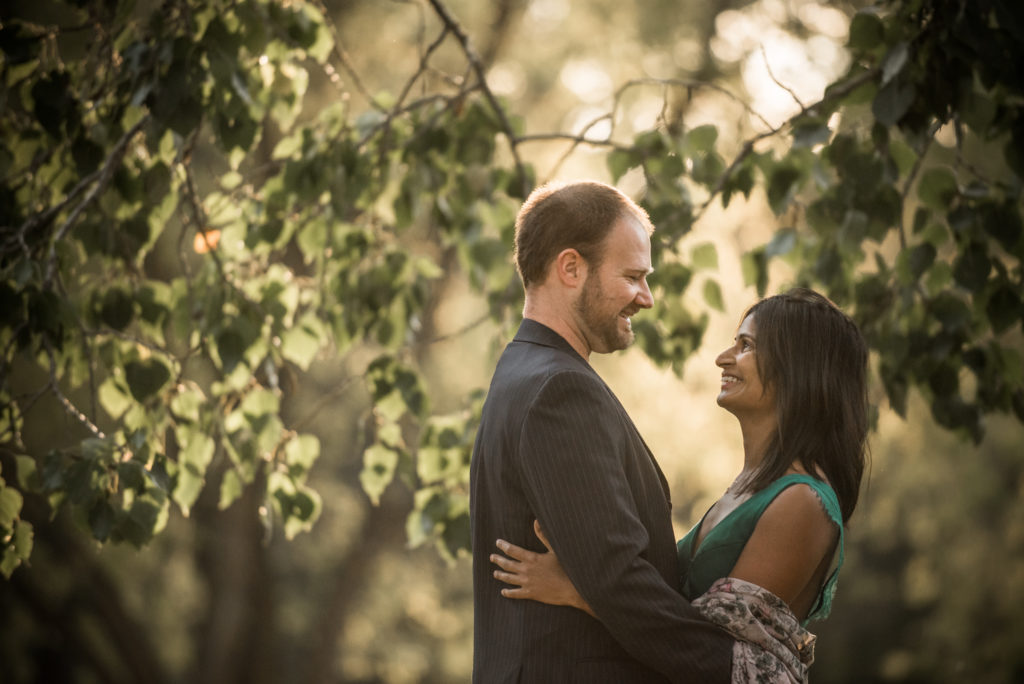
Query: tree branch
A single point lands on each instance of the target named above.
(101, 178)
(70, 408)
(478, 68)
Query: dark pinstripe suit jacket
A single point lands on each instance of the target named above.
(555, 444)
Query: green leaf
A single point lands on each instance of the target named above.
(920, 259)
(950, 311)
(300, 453)
(10, 506)
(145, 378)
(113, 399)
(937, 188)
(18, 549)
(231, 348)
(704, 256)
(810, 133)
(379, 463)
(972, 267)
(782, 185)
(893, 101)
(903, 154)
(895, 61)
(312, 240)
(391, 406)
(301, 343)
(701, 139)
(55, 107)
(1004, 223)
(144, 518)
(866, 31)
(230, 489)
(102, 518)
(713, 295)
(619, 162)
(456, 535)
(671, 277)
(1004, 309)
(26, 470)
(755, 270)
(117, 309)
(782, 242)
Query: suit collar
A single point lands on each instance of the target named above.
(537, 333)
(533, 332)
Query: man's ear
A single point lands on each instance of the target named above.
(570, 268)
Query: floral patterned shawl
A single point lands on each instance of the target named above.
(772, 647)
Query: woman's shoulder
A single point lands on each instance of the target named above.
(802, 494)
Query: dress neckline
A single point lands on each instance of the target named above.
(699, 543)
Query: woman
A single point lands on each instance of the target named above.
(760, 561)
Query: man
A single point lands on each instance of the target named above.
(555, 445)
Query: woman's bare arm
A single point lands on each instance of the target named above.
(789, 551)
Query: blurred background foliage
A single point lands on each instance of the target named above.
(255, 271)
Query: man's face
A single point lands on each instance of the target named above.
(616, 289)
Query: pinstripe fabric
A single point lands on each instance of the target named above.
(555, 444)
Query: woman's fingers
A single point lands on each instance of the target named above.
(517, 552)
(516, 593)
(504, 563)
(506, 577)
(513, 578)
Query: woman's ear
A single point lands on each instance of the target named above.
(570, 268)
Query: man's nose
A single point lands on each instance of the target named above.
(645, 299)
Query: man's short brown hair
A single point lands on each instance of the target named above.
(577, 215)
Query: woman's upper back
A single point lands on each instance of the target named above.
(720, 548)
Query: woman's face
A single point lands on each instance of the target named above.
(742, 392)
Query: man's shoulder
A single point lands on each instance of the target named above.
(528, 362)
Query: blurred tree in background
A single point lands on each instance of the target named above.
(255, 268)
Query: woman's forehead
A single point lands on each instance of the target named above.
(748, 327)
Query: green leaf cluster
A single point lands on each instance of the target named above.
(188, 229)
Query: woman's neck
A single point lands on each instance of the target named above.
(757, 436)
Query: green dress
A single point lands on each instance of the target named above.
(721, 548)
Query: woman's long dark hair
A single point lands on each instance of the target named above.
(815, 358)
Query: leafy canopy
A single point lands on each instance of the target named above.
(184, 226)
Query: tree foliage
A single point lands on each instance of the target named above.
(186, 230)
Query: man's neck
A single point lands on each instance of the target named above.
(556, 318)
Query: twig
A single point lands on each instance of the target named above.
(478, 68)
(581, 138)
(690, 85)
(102, 177)
(777, 82)
(71, 409)
(324, 402)
(198, 214)
(346, 63)
(748, 146)
(911, 177)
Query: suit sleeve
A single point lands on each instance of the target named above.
(572, 464)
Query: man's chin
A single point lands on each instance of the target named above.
(622, 342)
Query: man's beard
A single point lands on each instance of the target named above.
(602, 330)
